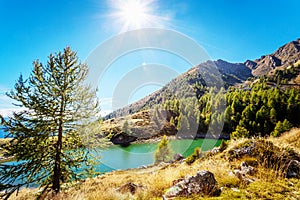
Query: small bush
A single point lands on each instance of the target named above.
(281, 127)
(240, 132)
(192, 158)
(164, 152)
(223, 146)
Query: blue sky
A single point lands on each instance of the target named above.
(232, 30)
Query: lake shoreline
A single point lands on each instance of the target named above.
(174, 137)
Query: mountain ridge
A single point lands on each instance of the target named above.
(284, 56)
(232, 74)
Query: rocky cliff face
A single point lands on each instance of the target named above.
(238, 70)
(285, 56)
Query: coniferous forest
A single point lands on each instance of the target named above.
(261, 110)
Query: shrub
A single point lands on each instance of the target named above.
(192, 158)
(164, 152)
(223, 146)
(281, 127)
(240, 132)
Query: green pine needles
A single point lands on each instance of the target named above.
(164, 152)
(47, 145)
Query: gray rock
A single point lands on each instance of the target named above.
(215, 150)
(245, 151)
(293, 170)
(242, 177)
(247, 169)
(178, 157)
(238, 174)
(235, 189)
(203, 183)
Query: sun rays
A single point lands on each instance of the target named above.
(135, 14)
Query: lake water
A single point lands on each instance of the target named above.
(2, 133)
(137, 155)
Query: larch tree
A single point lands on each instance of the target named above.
(46, 138)
(164, 152)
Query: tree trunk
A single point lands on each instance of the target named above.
(57, 163)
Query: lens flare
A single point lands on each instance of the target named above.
(135, 14)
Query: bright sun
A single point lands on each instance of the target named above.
(134, 14)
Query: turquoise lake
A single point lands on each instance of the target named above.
(137, 155)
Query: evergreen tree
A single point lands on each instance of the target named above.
(164, 152)
(184, 125)
(273, 115)
(281, 127)
(46, 143)
(126, 127)
(194, 156)
(172, 121)
(240, 132)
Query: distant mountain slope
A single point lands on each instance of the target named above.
(189, 84)
(192, 82)
(285, 56)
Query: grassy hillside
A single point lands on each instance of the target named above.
(260, 110)
(190, 84)
(268, 181)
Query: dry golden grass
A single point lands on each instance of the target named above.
(155, 180)
(289, 139)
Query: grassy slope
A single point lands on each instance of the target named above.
(155, 180)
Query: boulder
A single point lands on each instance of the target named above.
(203, 183)
(293, 170)
(247, 169)
(247, 150)
(215, 150)
(123, 139)
(178, 157)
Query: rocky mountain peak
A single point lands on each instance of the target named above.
(250, 64)
(283, 57)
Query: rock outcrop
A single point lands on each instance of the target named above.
(178, 157)
(203, 183)
(123, 139)
(285, 162)
(244, 172)
(247, 169)
(286, 55)
(293, 170)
